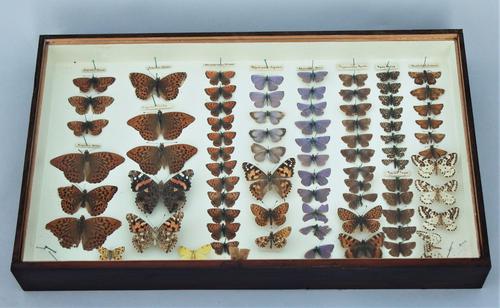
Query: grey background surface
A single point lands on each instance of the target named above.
(22, 21)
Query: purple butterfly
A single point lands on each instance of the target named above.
(306, 144)
(324, 251)
(261, 116)
(308, 109)
(319, 231)
(275, 134)
(320, 178)
(319, 195)
(273, 98)
(308, 127)
(307, 77)
(307, 160)
(316, 214)
(307, 93)
(259, 81)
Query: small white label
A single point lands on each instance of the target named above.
(157, 107)
(93, 70)
(397, 173)
(266, 67)
(158, 67)
(352, 66)
(310, 68)
(387, 67)
(87, 146)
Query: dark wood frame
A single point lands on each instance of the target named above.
(258, 274)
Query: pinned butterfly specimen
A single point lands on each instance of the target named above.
(276, 216)
(238, 254)
(318, 231)
(216, 108)
(307, 144)
(219, 215)
(312, 93)
(432, 152)
(319, 195)
(225, 92)
(220, 248)
(220, 152)
(389, 87)
(433, 219)
(351, 220)
(151, 159)
(313, 76)
(356, 200)
(429, 137)
(308, 159)
(323, 251)
(425, 77)
(272, 82)
(431, 240)
(111, 255)
(351, 155)
(442, 194)
(224, 77)
(357, 186)
(427, 93)
(218, 198)
(399, 164)
(391, 113)
(223, 167)
(349, 80)
(164, 236)
(173, 192)
(225, 183)
(262, 116)
(316, 109)
(390, 100)
(393, 138)
(389, 75)
(83, 104)
(444, 165)
(397, 184)
(394, 233)
(356, 109)
(200, 253)
(264, 182)
(316, 214)
(366, 172)
(92, 167)
(223, 230)
(313, 126)
(169, 124)
(397, 198)
(273, 154)
(353, 140)
(370, 248)
(92, 232)
(358, 124)
(429, 123)
(394, 151)
(100, 84)
(308, 178)
(276, 239)
(360, 94)
(217, 124)
(404, 249)
(398, 216)
(93, 127)
(275, 134)
(272, 99)
(391, 126)
(220, 138)
(166, 87)
(428, 109)
(95, 200)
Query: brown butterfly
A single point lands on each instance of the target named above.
(348, 80)
(218, 198)
(264, 216)
(394, 151)
(356, 186)
(394, 113)
(404, 233)
(425, 77)
(351, 220)
(390, 100)
(216, 92)
(429, 123)
(365, 171)
(352, 154)
(427, 93)
(219, 215)
(92, 232)
(428, 109)
(356, 109)
(391, 126)
(220, 152)
(218, 123)
(221, 248)
(168, 124)
(276, 239)
(223, 230)
(397, 198)
(355, 201)
(430, 137)
(227, 183)
(361, 139)
(95, 201)
(370, 248)
(82, 104)
(264, 182)
(217, 108)
(432, 152)
(389, 75)
(221, 137)
(361, 124)
(360, 94)
(223, 167)
(397, 184)
(80, 128)
(394, 138)
(100, 84)
(238, 254)
(92, 167)
(166, 87)
(400, 248)
(398, 216)
(151, 159)
(397, 163)
(389, 87)
(217, 76)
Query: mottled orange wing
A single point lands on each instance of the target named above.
(66, 230)
(102, 83)
(93, 127)
(216, 76)
(83, 83)
(432, 153)
(143, 85)
(100, 164)
(171, 124)
(427, 93)
(95, 201)
(148, 158)
(177, 155)
(72, 165)
(71, 199)
(426, 138)
(428, 109)
(170, 84)
(98, 199)
(147, 125)
(96, 230)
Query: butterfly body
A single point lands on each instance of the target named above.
(370, 248)
(95, 201)
(166, 87)
(264, 182)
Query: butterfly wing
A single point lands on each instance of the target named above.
(71, 199)
(278, 214)
(279, 238)
(449, 218)
(174, 123)
(177, 155)
(72, 165)
(100, 164)
(446, 164)
(80, 103)
(350, 220)
(252, 173)
(102, 83)
(445, 190)
(147, 125)
(431, 218)
(66, 231)
(371, 219)
(350, 243)
(428, 194)
(96, 230)
(83, 83)
(143, 234)
(143, 85)
(170, 84)
(99, 198)
(279, 178)
(167, 232)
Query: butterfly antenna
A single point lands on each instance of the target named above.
(52, 255)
